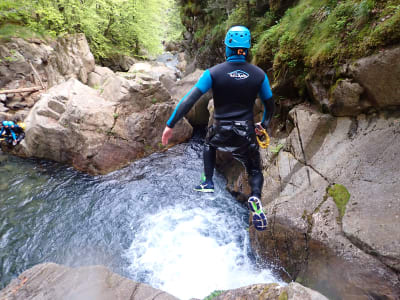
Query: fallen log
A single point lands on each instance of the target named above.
(22, 90)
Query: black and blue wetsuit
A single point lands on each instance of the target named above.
(8, 131)
(235, 85)
(13, 132)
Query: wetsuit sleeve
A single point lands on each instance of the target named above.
(186, 103)
(13, 134)
(268, 102)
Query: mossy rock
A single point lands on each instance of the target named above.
(341, 196)
(283, 296)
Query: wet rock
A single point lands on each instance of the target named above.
(338, 247)
(51, 281)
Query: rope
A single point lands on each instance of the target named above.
(264, 143)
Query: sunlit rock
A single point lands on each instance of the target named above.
(51, 281)
(98, 131)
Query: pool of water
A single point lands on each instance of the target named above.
(144, 222)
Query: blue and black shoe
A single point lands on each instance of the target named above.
(259, 218)
(207, 186)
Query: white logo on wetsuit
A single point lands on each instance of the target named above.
(238, 74)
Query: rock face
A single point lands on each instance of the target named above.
(331, 185)
(293, 291)
(331, 196)
(51, 281)
(26, 63)
(368, 83)
(98, 131)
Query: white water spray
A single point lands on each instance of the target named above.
(191, 253)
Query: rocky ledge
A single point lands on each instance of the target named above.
(50, 281)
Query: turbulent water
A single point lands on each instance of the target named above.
(144, 222)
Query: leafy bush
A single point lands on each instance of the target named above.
(111, 26)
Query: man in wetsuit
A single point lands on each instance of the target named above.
(13, 131)
(235, 85)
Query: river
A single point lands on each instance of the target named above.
(144, 222)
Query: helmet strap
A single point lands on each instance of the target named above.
(241, 51)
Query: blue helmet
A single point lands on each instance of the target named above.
(238, 37)
(5, 123)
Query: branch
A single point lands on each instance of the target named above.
(22, 90)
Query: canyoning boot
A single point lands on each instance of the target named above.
(206, 186)
(259, 218)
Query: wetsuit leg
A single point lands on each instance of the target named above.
(252, 162)
(13, 135)
(209, 154)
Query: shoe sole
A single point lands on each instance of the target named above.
(260, 221)
(259, 218)
(204, 190)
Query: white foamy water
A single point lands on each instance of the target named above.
(192, 252)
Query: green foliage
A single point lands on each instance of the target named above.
(327, 32)
(283, 296)
(111, 26)
(276, 149)
(213, 295)
(341, 196)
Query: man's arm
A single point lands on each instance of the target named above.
(186, 103)
(268, 102)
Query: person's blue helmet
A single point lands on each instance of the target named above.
(238, 37)
(5, 123)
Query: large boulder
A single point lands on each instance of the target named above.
(379, 75)
(37, 63)
(331, 196)
(369, 83)
(50, 281)
(98, 131)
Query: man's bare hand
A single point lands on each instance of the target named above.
(167, 134)
(259, 128)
